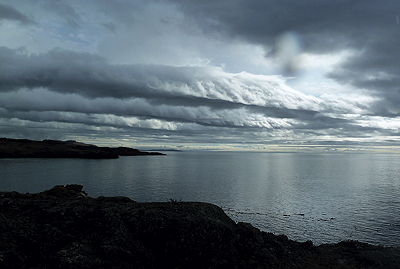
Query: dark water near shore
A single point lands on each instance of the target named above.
(323, 197)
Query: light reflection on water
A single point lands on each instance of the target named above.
(325, 197)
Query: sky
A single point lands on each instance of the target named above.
(259, 75)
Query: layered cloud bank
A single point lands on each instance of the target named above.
(248, 75)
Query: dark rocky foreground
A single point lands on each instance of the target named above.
(63, 228)
(24, 148)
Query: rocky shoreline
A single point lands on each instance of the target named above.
(24, 148)
(64, 228)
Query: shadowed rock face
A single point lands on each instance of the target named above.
(23, 148)
(64, 228)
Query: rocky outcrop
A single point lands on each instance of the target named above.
(23, 148)
(64, 228)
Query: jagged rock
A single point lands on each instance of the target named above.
(61, 228)
(72, 190)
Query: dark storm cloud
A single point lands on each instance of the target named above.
(51, 86)
(77, 72)
(370, 29)
(377, 69)
(91, 76)
(10, 13)
(71, 72)
(325, 25)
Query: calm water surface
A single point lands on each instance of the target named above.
(323, 197)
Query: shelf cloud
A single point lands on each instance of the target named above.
(255, 75)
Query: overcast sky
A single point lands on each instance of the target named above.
(276, 75)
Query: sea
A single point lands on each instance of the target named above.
(325, 198)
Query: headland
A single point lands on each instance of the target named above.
(65, 228)
(24, 148)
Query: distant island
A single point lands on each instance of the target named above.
(24, 148)
(178, 150)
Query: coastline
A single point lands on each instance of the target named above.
(64, 228)
(24, 148)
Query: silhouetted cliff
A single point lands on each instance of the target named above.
(23, 148)
(63, 228)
